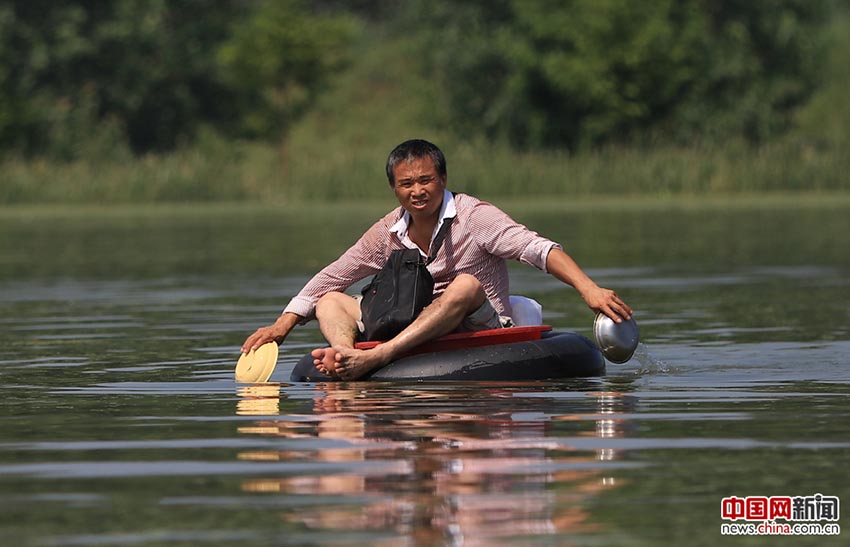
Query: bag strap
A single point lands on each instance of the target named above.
(438, 240)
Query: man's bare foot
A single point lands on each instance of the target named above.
(348, 363)
(352, 364)
(326, 360)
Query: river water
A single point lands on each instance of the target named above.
(122, 424)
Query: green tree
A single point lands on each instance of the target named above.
(151, 73)
(581, 72)
(277, 60)
(135, 69)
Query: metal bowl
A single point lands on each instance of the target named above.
(618, 341)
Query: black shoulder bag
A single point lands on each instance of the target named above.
(399, 292)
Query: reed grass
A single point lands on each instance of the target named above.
(261, 173)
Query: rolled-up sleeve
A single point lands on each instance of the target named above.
(536, 253)
(366, 257)
(502, 236)
(303, 306)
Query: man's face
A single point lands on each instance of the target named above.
(419, 187)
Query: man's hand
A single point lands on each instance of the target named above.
(607, 302)
(276, 332)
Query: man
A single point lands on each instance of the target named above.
(470, 271)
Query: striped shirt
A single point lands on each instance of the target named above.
(479, 242)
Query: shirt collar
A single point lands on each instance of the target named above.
(447, 210)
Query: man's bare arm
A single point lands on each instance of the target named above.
(599, 299)
(276, 332)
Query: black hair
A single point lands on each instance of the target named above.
(415, 149)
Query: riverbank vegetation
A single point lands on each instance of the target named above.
(285, 102)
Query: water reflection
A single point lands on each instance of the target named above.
(490, 473)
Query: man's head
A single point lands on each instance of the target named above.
(417, 173)
(412, 150)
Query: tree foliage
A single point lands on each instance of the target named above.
(278, 58)
(153, 72)
(89, 77)
(580, 72)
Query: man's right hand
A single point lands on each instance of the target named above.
(276, 332)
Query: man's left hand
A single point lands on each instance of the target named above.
(606, 301)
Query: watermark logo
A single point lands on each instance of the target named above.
(780, 515)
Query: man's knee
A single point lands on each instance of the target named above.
(468, 289)
(466, 284)
(333, 301)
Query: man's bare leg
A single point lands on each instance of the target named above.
(337, 314)
(463, 296)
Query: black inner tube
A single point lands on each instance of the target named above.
(555, 355)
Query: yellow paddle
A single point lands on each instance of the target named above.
(257, 365)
